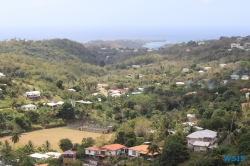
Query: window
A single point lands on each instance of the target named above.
(134, 152)
(89, 151)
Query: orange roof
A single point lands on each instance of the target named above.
(113, 146)
(92, 148)
(143, 149)
(244, 104)
(245, 89)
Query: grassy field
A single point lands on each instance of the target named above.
(54, 136)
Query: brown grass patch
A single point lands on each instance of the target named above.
(53, 136)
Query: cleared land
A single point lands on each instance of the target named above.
(54, 136)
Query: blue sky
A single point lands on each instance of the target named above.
(106, 19)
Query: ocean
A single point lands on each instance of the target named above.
(84, 35)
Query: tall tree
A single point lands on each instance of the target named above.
(174, 151)
(15, 136)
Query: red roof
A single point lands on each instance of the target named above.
(114, 147)
(121, 90)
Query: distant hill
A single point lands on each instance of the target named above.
(122, 43)
(47, 50)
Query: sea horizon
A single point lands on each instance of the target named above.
(84, 35)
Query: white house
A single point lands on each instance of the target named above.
(200, 146)
(245, 77)
(180, 83)
(223, 65)
(106, 150)
(185, 70)
(207, 68)
(235, 77)
(140, 150)
(204, 136)
(32, 95)
(2, 75)
(28, 107)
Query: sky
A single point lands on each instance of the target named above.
(84, 20)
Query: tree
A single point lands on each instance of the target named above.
(66, 111)
(87, 142)
(174, 151)
(29, 148)
(65, 144)
(46, 146)
(15, 136)
(243, 144)
(59, 84)
(153, 149)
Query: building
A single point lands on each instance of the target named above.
(28, 107)
(235, 77)
(207, 68)
(140, 150)
(2, 75)
(32, 95)
(52, 104)
(185, 70)
(106, 150)
(200, 146)
(245, 77)
(69, 156)
(196, 128)
(208, 136)
(180, 83)
(223, 65)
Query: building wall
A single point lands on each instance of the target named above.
(90, 152)
(196, 148)
(130, 153)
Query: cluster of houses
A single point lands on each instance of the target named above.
(118, 149)
(68, 156)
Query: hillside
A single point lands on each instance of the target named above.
(48, 50)
(151, 95)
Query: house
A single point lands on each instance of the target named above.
(188, 50)
(185, 70)
(204, 136)
(196, 128)
(200, 146)
(37, 156)
(136, 93)
(52, 104)
(106, 150)
(140, 150)
(2, 75)
(207, 68)
(32, 95)
(136, 66)
(243, 105)
(73, 90)
(224, 82)
(245, 77)
(180, 83)
(223, 65)
(235, 77)
(201, 71)
(69, 156)
(234, 45)
(28, 107)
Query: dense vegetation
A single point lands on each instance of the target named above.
(54, 66)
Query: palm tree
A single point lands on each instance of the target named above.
(30, 147)
(15, 136)
(46, 146)
(153, 149)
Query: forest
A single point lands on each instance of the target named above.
(208, 90)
